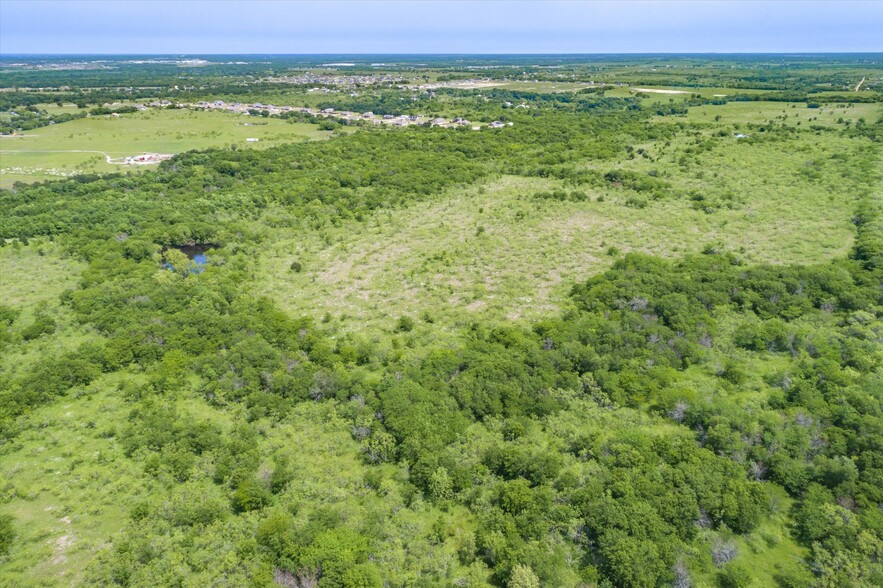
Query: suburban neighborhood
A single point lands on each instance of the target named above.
(257, 108)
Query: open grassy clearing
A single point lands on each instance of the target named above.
(495, 251)
(48, 152)
(65, 108)
(32, 279)
(69, 487)
(543, 87)
(782, 113)
(677, 92)
(766, 550)
(36, 274)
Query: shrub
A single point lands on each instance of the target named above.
(440, 486)
(7, 314)
(276, 533)
(7, 534)
(734, 576)
(42, 325)
(250, 495)
(523, 577)
(405, 324)
(793, 575)
(364, 575)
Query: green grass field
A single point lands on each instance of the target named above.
(51, 487)
(79, 146)
(677, 92)
(32, 279)
(782, 113)
(496, 251)
(542, 87)
(36, 274)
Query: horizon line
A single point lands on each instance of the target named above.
(874, 52)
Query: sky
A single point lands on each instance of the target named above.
(280, 26)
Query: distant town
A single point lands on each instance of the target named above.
(398, 120)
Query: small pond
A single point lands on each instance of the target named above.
(196, 252)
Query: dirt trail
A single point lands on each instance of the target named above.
(858, 86)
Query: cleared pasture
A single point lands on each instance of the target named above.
(498, 252)
(80, 146)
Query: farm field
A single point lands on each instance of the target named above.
(80, 146)
(680, 92)
(783, 113)
(541, 87)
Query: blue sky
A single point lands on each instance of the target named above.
(258, 26)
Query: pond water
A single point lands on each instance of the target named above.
(196, 252)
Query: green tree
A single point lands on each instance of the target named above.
(441, 487)
(250, 494)
(523, 577)
(734, 575)
(363, 575)
(631, 562)
(380, 447)
(178, 261)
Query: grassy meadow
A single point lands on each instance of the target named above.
(781, 113)
(496, 251)
(33, 279)
(80, 146)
